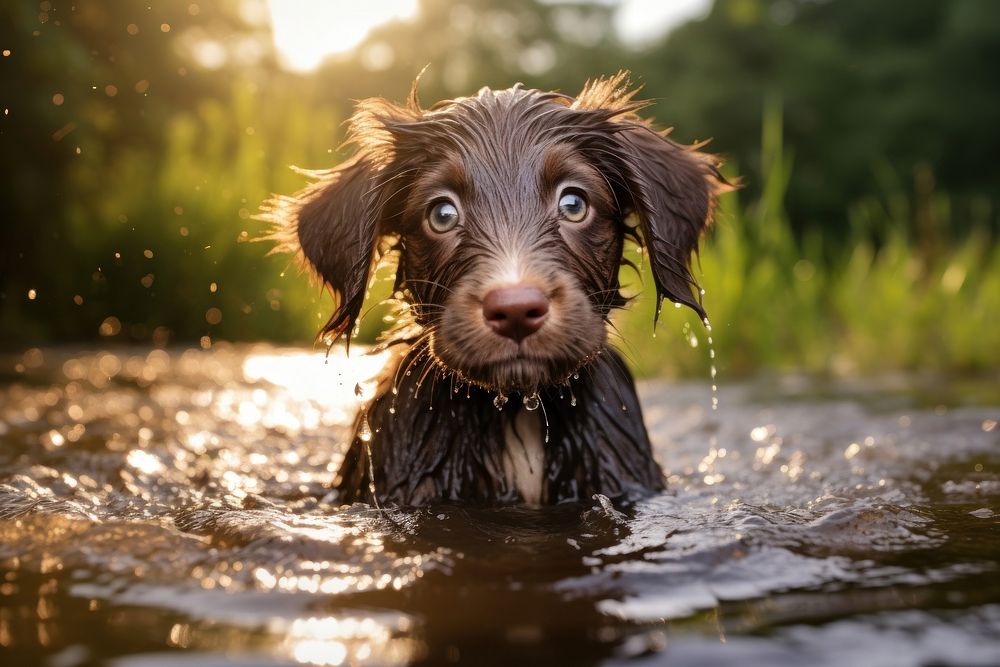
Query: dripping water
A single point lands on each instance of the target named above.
(365, 435)
(365, 432)
(545, 417)
(371, 475)
(533, 402)
(712, 371)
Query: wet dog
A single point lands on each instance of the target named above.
(507, 214)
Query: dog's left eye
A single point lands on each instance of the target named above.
(572, 206)
(443, 216)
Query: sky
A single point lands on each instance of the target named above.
(306, 31)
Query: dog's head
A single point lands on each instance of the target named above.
(509, 211)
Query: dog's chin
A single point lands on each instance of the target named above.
(500, 365)
(516, 375)
(524, 374)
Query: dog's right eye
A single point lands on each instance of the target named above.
(443, 216)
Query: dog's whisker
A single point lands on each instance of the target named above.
(433, 283)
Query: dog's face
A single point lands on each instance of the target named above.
(511, 256)
(508, 212)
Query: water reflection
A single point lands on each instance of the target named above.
(158, 501)
(336, 640)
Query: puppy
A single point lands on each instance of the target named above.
(506, 213)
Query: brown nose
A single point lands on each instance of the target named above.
(516, 312)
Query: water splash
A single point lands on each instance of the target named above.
(500, 401)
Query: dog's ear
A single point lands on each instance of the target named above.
(336, 224)
(336, 228)
(672, 189)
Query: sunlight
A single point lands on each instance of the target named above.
(307, 31)
(329, 380)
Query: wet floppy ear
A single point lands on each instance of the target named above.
(672, 189)
(333, 225)
(336, 223)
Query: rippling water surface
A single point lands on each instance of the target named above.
(171, 508)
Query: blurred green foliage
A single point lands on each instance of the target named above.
(138, 139)
(780, 304)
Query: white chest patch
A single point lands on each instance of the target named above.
(524, 456)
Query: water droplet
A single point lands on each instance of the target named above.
(531, 402)
(624, 408)
(576, 376)
(572, 401)
(712, 371)
(365, 432)
(702, 291)
(395, 391)
(677, 305)
(409, 372)
(500, 401)
(392, 409)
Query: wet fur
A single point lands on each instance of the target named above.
(503, 157)
(439, 445)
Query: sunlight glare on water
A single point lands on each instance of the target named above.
(306, 377)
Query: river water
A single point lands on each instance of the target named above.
(171, 508)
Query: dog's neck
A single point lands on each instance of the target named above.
(524, 455)
(432, 440)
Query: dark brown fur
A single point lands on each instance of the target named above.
(503, 157)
